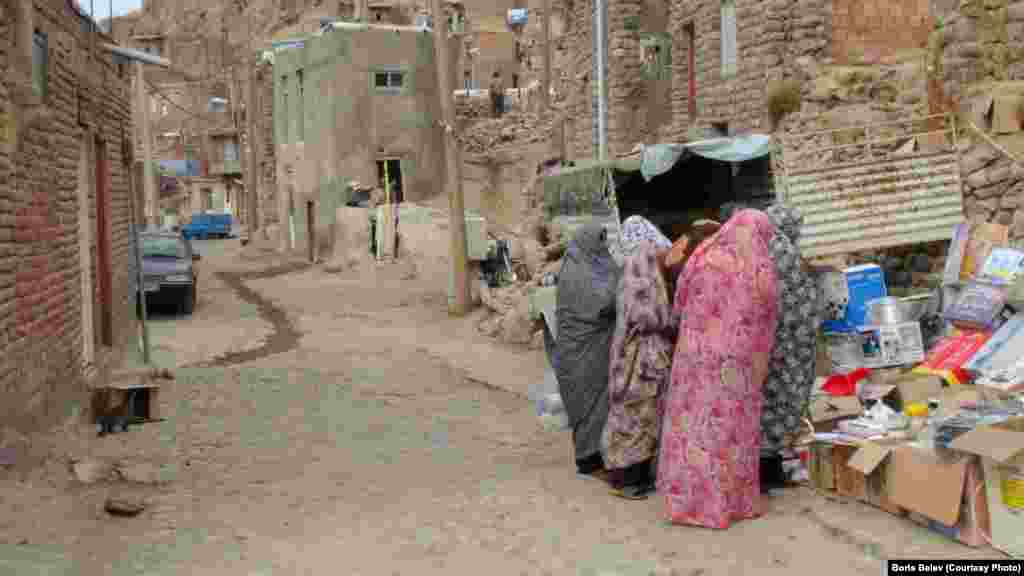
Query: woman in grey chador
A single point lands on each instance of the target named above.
(587, 285)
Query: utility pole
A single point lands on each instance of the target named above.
(459, 305)
(546, 98)
(148, 176)
(252, 179)
(601, 54)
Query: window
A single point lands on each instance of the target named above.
(691, 70)
(40, 64)
(300, 129)
(218, 105)
(728, 33)
(230, 151)
(388, 81)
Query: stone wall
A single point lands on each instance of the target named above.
(981, 41)
(42, 336)
(776, 39)
(978, 57)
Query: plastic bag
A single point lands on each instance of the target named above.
(547, 401)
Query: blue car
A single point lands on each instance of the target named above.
(208, 226)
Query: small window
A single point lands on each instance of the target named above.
(230, 151)
(728, 33)
(40, 64)
(388, 81)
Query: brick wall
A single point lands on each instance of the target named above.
(41, 335)
(878, 28)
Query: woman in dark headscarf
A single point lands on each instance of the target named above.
(585, 311)
(791, 372)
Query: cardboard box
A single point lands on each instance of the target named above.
(847, 293)
(1001, 448)
(892, 345)
(972, 529)
(871, 462)
(849, 481)
(920, 481)
(828, 411)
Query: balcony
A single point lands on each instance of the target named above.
(226, 168)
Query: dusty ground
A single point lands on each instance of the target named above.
(343, 424)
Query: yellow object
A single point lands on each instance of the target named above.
(1013, 490)
(916, 410)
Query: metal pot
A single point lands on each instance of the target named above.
(890, 310)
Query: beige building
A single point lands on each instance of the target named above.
(350, 104)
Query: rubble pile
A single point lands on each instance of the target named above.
(512, 129)
(536, 247)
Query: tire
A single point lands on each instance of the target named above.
(188, 302)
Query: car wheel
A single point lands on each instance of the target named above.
(188, 303)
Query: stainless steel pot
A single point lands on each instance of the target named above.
(890, 310)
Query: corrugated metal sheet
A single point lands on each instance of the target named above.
(874, 205)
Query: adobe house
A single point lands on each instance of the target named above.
(67, 309)
(349, 104)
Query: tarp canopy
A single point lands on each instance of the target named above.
(660, 158)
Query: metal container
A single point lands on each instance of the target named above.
(889, 310)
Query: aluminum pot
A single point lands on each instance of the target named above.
(890, 310)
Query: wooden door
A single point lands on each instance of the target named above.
(103, 266)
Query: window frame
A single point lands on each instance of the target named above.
(40, 63)
(389, 74)
(729, 41)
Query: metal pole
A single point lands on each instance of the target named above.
(149, 178)
(459, 305)
(546, 98)
(144, 313)
(602, 80)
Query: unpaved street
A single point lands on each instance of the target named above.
(343, 424)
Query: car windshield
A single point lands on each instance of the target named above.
(163, 247)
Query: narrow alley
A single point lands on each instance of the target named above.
(344, 424)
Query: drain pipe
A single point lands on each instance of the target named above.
(601, 24)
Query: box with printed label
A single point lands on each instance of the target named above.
(846, 294)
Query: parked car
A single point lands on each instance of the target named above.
(169, 269)
(208, 226)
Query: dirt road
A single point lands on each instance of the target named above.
(343, 424)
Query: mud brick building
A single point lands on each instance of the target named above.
(673, 66)
(66, 307)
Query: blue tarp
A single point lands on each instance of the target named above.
(660, 158)
(180, 168)
(736, 149)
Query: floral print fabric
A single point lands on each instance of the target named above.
(641, 361)
(637, 230)
(709, 456)
(791, 370)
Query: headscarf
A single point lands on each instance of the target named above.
(792, 368)
(637, 230)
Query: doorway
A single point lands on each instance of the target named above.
(691, 69)
(392, 168)
(311, 231)
(85, 260)
(103, 265)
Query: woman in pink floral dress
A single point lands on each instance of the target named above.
(708, 466)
